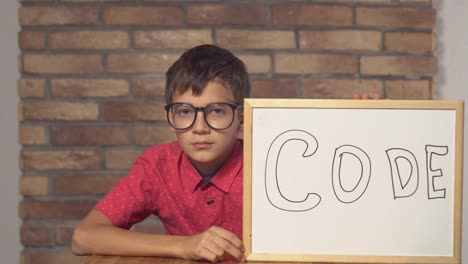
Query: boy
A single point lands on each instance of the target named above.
(194, 185)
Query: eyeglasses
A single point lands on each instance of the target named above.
(218, 116)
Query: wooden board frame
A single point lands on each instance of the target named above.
(250, 104)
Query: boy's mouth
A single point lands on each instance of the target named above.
(200, 145)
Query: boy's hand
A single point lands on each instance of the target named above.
(212, 245)
(367, 96)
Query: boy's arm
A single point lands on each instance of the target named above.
(96, 235)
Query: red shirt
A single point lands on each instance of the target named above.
(164, 182)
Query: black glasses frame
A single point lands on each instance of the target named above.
(168, 108)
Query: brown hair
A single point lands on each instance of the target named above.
(202, 64)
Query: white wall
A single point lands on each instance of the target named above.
(452, 79)
(452, 84)
(9, 147)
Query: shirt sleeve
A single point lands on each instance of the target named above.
(130, 201)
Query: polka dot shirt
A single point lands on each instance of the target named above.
(165, 183)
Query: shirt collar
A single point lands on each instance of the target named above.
(224, 177)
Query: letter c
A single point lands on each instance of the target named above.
(272, 188)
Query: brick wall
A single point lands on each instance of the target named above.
(92, 78)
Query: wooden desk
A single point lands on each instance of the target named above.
(97, 259)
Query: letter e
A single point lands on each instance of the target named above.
(432, 192)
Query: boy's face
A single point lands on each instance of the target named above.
(206, 147)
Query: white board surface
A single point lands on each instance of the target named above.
(352, 181)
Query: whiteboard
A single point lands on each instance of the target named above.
(352, 180)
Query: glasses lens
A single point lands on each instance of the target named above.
(219, 115)
(182, 116)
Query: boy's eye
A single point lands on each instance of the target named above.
(216, 110)
(184, 111)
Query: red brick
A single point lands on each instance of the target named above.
(55, 209)
(255, 39)
(274, 88)
(150, 135)
(399, 65)
(256, 63)
(89, 39)
(32, 135)
(409, 89)
(365, 40)
(63, 234)
(85, 184)
(34, 185)
(32, 40)
(60, 160)
(410, 41)
(58, 256)
(58, 111)
(134, 111)
(35, 235)
(396, 17)
(144, 15)
(311, 15)
(314, 63)
(339, 88)
(29, 87)
(231, 14)
(59, 64)
(41, 16)
(122, 158)
(89, 88)
(89, 135)
(140, 63)
(149, 87)
(172, 39)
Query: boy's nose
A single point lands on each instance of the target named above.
(200, 124)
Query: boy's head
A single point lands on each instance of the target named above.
(205, 89)
(205, 63)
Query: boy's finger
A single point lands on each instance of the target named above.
(231, 244)
(229, 236)
(365, 96)
(211, 257)
(230, 249)
(220, 246)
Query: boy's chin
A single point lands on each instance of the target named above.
(202, 160)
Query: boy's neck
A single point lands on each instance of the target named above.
(207, 172)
